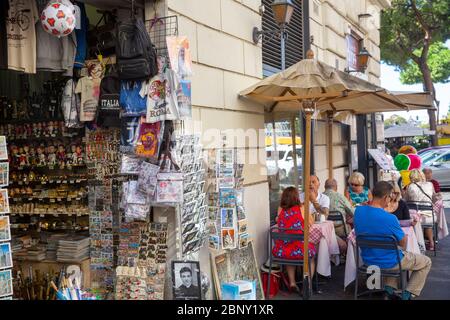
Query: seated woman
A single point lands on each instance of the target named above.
(356, 192)
(399, 208)
(290, 216)
(422, 192)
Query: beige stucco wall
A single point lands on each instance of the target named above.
(330, 22)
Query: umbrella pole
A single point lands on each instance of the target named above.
(330, 145)
(306, 166)
(294, 152)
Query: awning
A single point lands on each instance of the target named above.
(406, 130)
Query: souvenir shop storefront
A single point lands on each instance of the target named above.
(102, 193)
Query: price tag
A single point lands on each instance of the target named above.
(69, 214)
(78, 180)
(43, 182)
(20, 183)
(40, 199)
(30, 199)
(55, 214)
(50, 181)
(72, 181)
(64, 181)
(59, 199)
(52, 200)
(41, 215)
(58, 181)
(78, 198)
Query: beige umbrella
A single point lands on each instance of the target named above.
(312, 86)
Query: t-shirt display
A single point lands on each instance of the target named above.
(4, 7)
(89, 88)
(161, 93)
(21, 34)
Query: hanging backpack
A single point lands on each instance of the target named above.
(136, 55)
(108, 112)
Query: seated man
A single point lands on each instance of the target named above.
(319, 203)
(373, 219)
(437, 187)
(339, 202)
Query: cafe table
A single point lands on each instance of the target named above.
(322, 235)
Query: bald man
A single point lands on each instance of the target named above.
(318, 202)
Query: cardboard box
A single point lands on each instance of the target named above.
(239, 290)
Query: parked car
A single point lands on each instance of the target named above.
(285, 160)
(439, 162)
(422, 152)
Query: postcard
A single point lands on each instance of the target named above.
(240, 213)
(3, 150)
(5, 232)
(5, 256)
(6, 288)
(228, 239)
(214, 242)
(212, 213)
(243, 240)
(4, 174)
(227, 218)
(242, 226)
(4, 201)
(227, 198)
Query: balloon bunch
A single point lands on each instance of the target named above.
(407, 160)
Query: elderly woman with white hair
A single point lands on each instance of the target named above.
(422, 192)
(357, 193)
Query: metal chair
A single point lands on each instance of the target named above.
(384, 242)
(336, 216)
(425, 205)
(275, 234)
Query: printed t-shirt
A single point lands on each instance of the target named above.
(162, 101)
(21, 35)
(90, 91)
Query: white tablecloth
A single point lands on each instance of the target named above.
(412, 245)
(328, 248)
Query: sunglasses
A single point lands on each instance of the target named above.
(355, 185)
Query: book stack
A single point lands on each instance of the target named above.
(52, 246)
(73, 249)
(36, 253)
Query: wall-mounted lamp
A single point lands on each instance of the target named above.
(363, 60)
(282, 13)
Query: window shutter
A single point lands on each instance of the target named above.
(294, 42)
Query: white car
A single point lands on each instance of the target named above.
(285, 160)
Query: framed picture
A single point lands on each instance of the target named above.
(186, 280)
(3, 150)
(236, 265)
(227, 218)
(4, 174)
(5, 256)
(6, 288)
(4, 202)
(228, 239)
(5, 233)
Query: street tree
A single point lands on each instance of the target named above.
(394, 120)
(412, 37)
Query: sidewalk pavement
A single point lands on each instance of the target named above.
(437, 286)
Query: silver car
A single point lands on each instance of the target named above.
(439, 162)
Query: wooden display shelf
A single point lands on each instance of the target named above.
(48, 213)
(45, 266)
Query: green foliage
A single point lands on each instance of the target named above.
(394, 120)
(402, 36)
(438, 61)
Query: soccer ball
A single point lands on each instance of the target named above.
(58, 18)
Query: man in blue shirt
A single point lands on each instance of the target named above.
(373, 219)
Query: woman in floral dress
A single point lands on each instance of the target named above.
(290, 216)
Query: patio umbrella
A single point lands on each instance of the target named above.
(313, 86)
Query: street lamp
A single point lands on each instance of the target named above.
(363, 60)
(282, 13)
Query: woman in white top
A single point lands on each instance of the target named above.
(421, 191)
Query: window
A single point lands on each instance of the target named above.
(354, 46)
(445, 158)
(271, 49)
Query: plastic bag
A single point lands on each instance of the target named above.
(169, 187)
(147, 179)
(130, 164)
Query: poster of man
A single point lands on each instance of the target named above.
(186, 280)
(5, 283)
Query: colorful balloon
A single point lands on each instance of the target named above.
(402, 162)
(407, 150)
(405, 177)
(416, 161)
